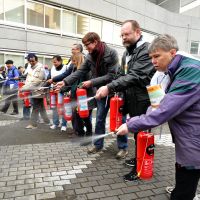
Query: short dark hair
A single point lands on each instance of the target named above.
(20, 67)
(9, 62)
(36, 58)
(58, 58)
(135, 24)
(90, 37)
(31, 55)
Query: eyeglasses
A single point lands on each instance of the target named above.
(87, 44)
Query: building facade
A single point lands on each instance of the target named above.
(50, 27)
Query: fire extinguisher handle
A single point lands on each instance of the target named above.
(80, 85)
(65, 89)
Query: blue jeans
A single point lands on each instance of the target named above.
(26, 112)
(56, 118)
(102, 110)
(122, 140)
(100, 129)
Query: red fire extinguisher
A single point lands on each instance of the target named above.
(45, 103)
(20, 85)
(116, 104)
(145, 155)
(27, 102)
(52, 99)
(67, 114)
(82, 102)
(60, 103)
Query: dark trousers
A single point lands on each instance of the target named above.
(38, 107)
(186, 183)
(11, 99)
(139, 109)
(79, 123)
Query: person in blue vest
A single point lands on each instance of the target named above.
(10, 87)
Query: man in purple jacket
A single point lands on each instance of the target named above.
(181, 108)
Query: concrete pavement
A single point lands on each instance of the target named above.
(44, 164)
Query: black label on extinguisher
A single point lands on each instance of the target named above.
(150, 149)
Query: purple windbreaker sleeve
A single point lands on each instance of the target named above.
(172, 105)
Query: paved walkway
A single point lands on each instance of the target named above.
(44, 164)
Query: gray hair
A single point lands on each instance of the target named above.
(165, 42)
(79, 46)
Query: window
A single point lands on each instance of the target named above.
(14, 10)
(69, 22)
(48, 61)
(17, 59)
(1, 59)
(82, 24)
(107, 32)
(35, 14)
(194, 48)
(116, 35)
(52, 18)
(1, 10)
(41, 59)
(95, 26)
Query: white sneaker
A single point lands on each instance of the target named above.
(169, 189)
(197, 197)
(53, 127)
(63, 128)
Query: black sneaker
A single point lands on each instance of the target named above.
(132, 176)
(88, 133)
(14, 113)
(130, 163)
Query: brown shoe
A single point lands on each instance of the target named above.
(122, 154)
(93, 150)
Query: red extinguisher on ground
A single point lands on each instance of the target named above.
(60, 103)
(67, 114)
(145, 155)
(116, 104)
(27, 102)
(81, 95)
(20, 85)
(52, 99)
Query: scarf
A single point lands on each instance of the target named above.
(97, 55)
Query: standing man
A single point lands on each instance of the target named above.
(57, 69)
(10, 88)
(102, 62)
(136, 73)
(181, 108)
(76, 48)
(35, 77)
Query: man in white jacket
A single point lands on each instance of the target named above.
(35, 78)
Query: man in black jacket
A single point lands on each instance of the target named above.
(102, 61)
(136, 73)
